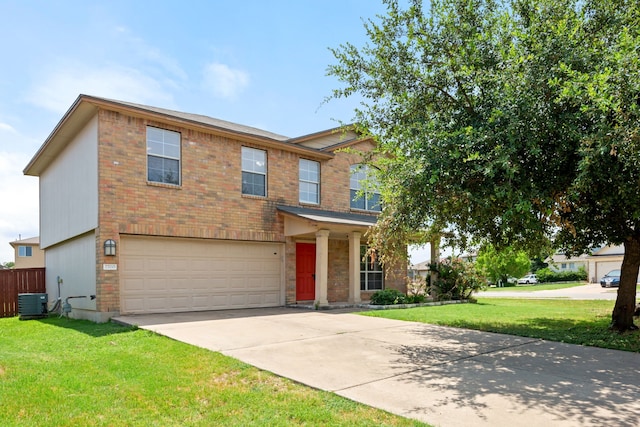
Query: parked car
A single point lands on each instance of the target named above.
(611, 279)
(529, 278)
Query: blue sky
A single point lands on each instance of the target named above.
(255, 62)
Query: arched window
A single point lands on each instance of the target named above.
(364, 189)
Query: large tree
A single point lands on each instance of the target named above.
(498, 266)
(508, 122)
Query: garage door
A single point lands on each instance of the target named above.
(603, 267)
(160, 275)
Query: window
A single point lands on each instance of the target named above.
(254, 172)
(25, 251)
(563, 266)
(371, 275)
(309, 188)
(163, 156)
(363, 189)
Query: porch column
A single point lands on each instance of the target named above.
(354, 267)
(322, 267)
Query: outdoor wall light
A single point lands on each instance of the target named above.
(110, 247)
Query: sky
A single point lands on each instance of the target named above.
(254, 62)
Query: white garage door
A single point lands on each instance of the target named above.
(159, 275)
(603, 267)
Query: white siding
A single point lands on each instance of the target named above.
(69, 190)
(75, 262)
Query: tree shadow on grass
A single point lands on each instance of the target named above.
(569, 383)
(87, 327)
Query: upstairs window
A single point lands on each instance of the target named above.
(309, 186)
(254, 172)
(371, 274)
(163, 156)
(363, 193)
(25, 251)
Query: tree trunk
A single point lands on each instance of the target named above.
(435, 260)
(622, 316)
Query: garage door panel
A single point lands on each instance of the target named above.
(165, 275)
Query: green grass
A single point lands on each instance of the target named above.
(71, 372)
(576, 322)
(538, 287)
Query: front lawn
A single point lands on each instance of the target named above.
(575, 321)
(70, 372)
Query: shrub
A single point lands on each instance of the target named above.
(457, 280)
(546, 275)
(388, 297)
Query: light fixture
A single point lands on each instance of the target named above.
(109, 247)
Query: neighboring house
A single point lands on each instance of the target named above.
(420, 269)
(597, 264)
(154, 210)
(560, 263)
(603, 260)
(28, 253)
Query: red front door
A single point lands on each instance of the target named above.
(305, 271)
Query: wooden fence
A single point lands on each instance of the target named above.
(18, 281)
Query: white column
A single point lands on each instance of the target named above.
(322, 267)
(354, 267)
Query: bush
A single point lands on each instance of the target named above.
(546, 275)
(457, 280)
(388, 297)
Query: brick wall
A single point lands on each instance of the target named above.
(208, 203)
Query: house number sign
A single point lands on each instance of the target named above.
(109, 266)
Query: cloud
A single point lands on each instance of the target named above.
(223, 81)
(139, 49)
(59, 88)
(4, 127)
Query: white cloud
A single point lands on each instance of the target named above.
(18, 202)
(59, 88)
(140, 49)
(7, 128)
(223, 81)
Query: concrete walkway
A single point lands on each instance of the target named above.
(443, 376)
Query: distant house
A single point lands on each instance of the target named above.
(28, 253)
(420, 269)
(561, 263)
(154, 210)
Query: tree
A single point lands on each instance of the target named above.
(511, 123)
(498, 266)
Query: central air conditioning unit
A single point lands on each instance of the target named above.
(32, 306)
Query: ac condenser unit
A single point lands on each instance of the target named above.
(32, 306)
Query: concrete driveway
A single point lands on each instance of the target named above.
(443, 376)
(592, 291)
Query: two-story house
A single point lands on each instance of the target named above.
(153, 210)
(27, 253)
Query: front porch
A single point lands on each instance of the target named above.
(324, 259)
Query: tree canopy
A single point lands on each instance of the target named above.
(512, 122)
(498, 266)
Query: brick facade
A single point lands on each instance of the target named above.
(208, 203)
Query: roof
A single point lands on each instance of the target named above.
(29, 241)
(199, 118)
(318, 215)
(420, 266)
(86, 107)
